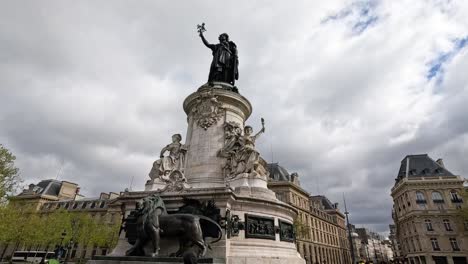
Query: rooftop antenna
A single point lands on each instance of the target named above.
(60, 169)
(271, 150)
(131, 183)
(318, 185)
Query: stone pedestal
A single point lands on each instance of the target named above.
(255, 220)
(148, 260)
(156, 185)
(207, 111)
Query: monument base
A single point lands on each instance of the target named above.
(244, 207)
(147, 260)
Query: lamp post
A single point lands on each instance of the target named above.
(367, 251)
(59, 250)
(64, 233)
(69, 246)
(373, 245)
(353, 258)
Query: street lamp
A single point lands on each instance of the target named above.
(367, 251)
(59, 250)
(69, 247)
(64, 233)
(353, 258)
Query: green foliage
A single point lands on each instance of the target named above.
(9, 177)
(23, 225)
(300, 228)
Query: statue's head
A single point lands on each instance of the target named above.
(223, 37)
(248, 130)
(176, 138)
(149, 204)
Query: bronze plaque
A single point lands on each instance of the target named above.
(286, 231)
(259, 227)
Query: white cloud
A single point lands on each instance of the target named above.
(100, 87)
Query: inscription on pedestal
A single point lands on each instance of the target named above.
(259, 227)
(286, 231)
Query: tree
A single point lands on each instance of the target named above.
(9, 177)
(15, 225)
(300, 228)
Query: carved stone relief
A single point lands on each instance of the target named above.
(259, 227)
(207, 110)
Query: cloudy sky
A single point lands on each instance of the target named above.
(92, 90)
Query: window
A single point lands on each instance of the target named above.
(428, 225)
(447, 225)
(435, 244)
(420, 198)
(437, 197)
(455, 197)
(454, 244)
(426, 171)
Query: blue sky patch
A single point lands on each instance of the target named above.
(436, 69)
(360, 15)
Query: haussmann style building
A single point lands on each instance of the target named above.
(321, 235)
(427, 205)
(51, 195)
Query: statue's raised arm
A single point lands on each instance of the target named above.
(261, 130)
(201, 29)
(210, 46)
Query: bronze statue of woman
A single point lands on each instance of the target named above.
(224, 65)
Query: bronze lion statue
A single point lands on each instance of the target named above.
(150, 221)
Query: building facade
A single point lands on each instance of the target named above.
(372, 247)
(51, 195)
(426, 211)
(396, 248)
(320, 227)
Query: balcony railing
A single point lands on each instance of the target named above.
(421, 201)
(438, 201)
(457, 200)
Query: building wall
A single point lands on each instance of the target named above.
(427, 227)
(321, 236)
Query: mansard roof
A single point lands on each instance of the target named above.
(421, 165)
(44, 187)
(326, 203)
(277, 172)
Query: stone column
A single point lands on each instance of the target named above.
(207, 110)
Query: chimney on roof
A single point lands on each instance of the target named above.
(440, 162)
(295, 178)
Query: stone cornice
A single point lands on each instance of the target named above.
(227, 98)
